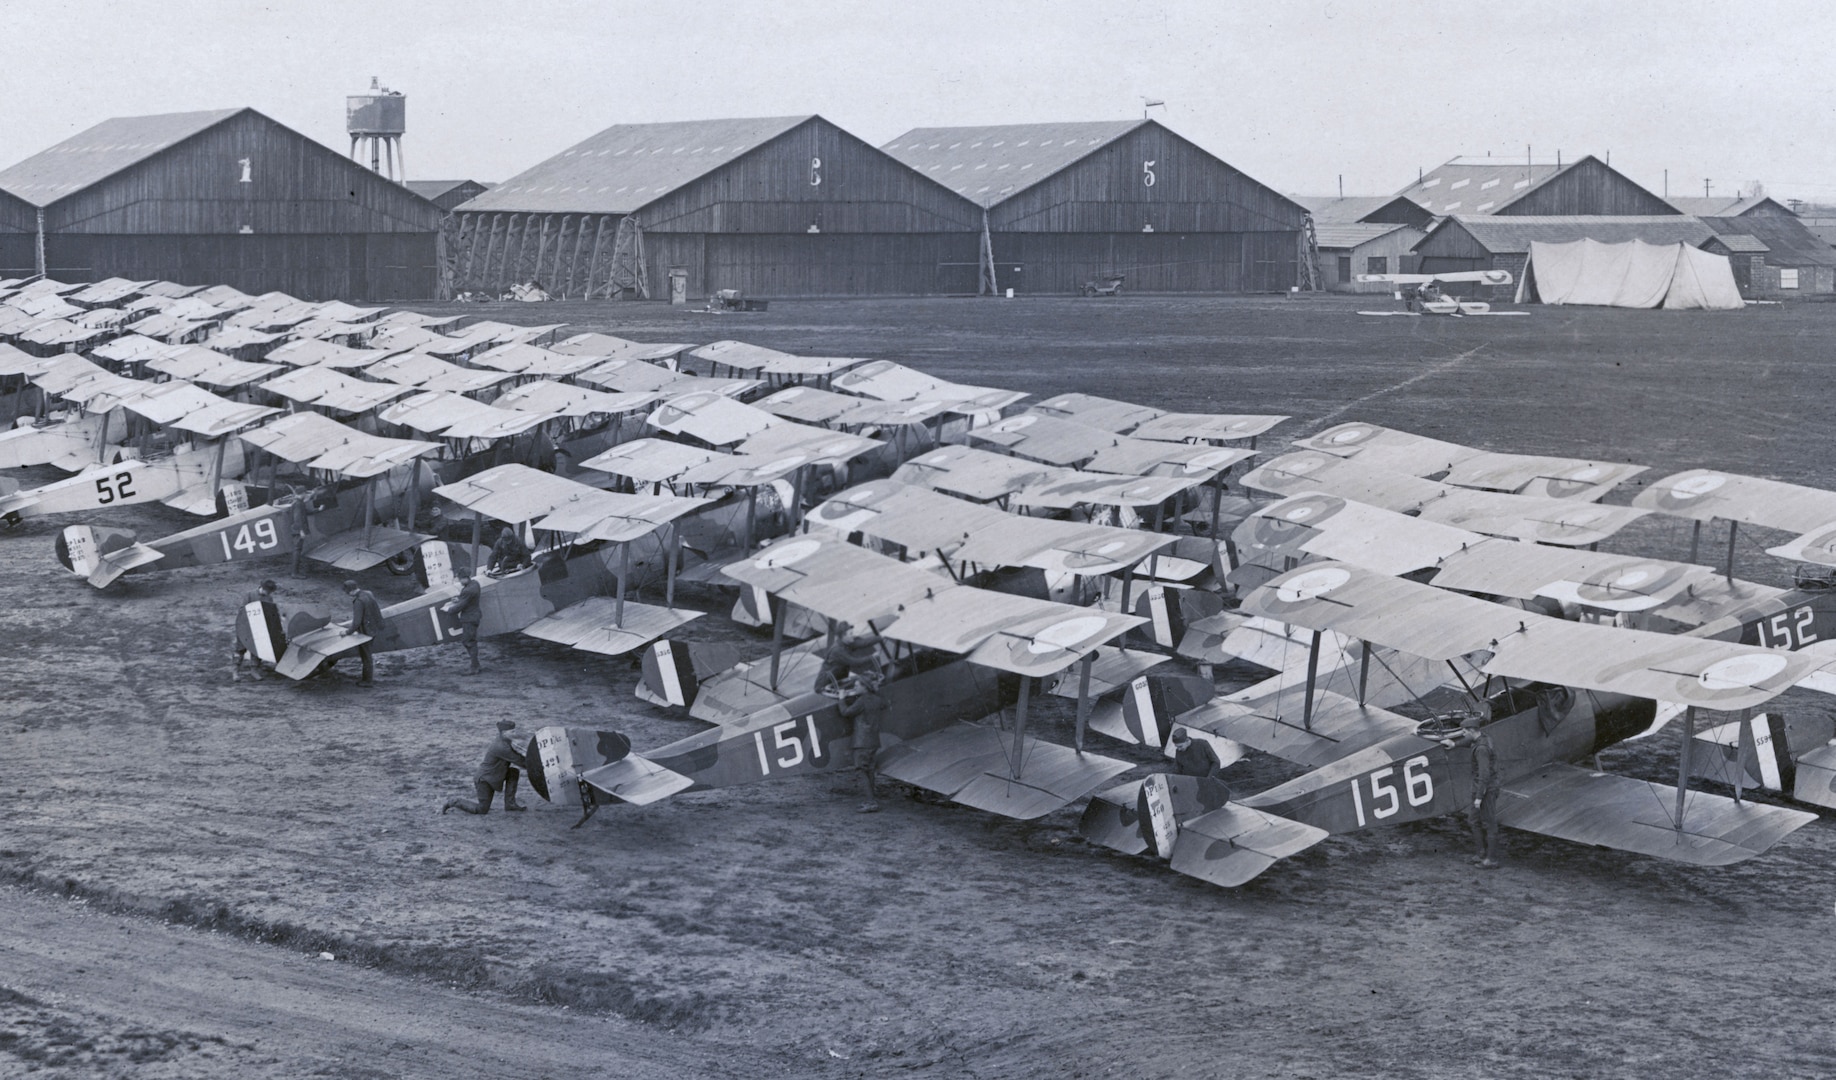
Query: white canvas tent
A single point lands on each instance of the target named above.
(1633, 274)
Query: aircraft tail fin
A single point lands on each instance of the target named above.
(433, 564)
(561, 755)
(101, 554)
(674, 670)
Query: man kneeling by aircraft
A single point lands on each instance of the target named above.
(499, 771)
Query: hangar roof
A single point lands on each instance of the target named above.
(627, 166)
(989, 164)
(102, 151)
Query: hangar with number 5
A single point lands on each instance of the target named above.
(1073, 204)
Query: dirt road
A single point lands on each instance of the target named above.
(84, 993)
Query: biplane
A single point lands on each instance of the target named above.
(1568, 690)
(961, 655)
(338, 520)
(1421, 293)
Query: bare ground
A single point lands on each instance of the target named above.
(771, 931)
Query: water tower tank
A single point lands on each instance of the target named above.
(380, 112)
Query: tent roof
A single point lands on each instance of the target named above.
(102, 151)
(1008, 158)
(628, 165)
(1513, 235)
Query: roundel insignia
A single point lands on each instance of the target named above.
(1648, 579)
(1065, 635)
(1741, 672)
(1111, 547)
(1139, 490)
(1682, 494)
(1058, 403)
(1013, 423)
(788, 554)
(869, 370)
(1818, 547)
(1347, 435)
(831, 449)
(1585, 474)
(1303, 464)
(1310, 584)
(941, 457)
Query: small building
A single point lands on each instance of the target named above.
(18, 237)
(1348, 249)
(1729, 206)
(1486, 242)
(447, 194)
(779, 206)
(227, 197)
(1500, 187)
(1774, 256)
(1366, 210)
(1069, 204)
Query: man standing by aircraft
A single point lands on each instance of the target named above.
(852, 654)
(366, 619)
(499, 772)
(465, 606)
(866, 707)
(1482, 819)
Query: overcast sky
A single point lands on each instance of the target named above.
(1294, 93)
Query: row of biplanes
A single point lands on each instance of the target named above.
(1079, 547)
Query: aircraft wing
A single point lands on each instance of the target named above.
(888, 381)
(1145, 457)
(566, 399)
(1111, 669)
(1549, 477)
(836, 580)
(1434, 624)
(1206, 427)
(1388, 448)
(808, 404)
(1528, 517)
(1090, 489)
(817, 446)
(333, 390)
(1045, 438)
(649, 461)
(973, 764)
(1312, 470)
(1594, 579)
(592, 625)
(738, 355)
(714, 418)
(1334, 528)
(360, 549)
(305, 652)
(1061, 546)
(976, 474)
(1816, 546)
(809, 366)
(637, 780)
(1107, 414)
(1619, 812)
(514, 493)
(615, 516)
(1275, 725)
(1480, 277)
(1702, 494)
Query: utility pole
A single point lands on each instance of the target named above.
(1705, 189)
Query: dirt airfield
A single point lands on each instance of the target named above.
(180, 849)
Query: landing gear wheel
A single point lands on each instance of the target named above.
(401, 564)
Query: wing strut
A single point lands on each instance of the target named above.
(1364, 670)
(624, 575)
(1733, 531)
(1026, 685)
(1313, 671)
(776, 609)
(1083, 696)
(1689, 736)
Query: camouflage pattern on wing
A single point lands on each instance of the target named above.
(1592, 579)
(1088, 489)
(513, 493)
(1334, 528)
(1544, 477)
(333, 390)
(1143, 457)
(1232, 844)
(1528, 517)
(595, 514)
(888, 381)
(649, 461)
(1380, 447)
(738, 355)
(594, 625)
(808, 404)
(982, 767)
(1314, 471)
(818, 446)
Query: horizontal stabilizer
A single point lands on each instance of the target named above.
(1120, 818)
(1620, 812)
(636, 780)
(745, 689)
(592, 625)
(16, 501)
(199, 500)
(973, 764)
(116, 563)
(351, 550)
(1112, 668)
(1234, 843)
(305, 652)
(1815, 782)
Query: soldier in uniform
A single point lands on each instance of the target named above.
(366, 619)
(509, 553)
(465, 606)
(499, 772)
(1194, 757)
(264, 595)
(863, 703)
(1482, 819)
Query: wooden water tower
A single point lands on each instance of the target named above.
(376, 120)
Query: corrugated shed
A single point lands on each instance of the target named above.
(1745, 245)
(629, 165)
(447, 194)
(1718, 205)
(1333, 236)
(1512, 235)
(102, 151)
(989, 164)
(1586, 185)
(1787, 242)
(1366, 209)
